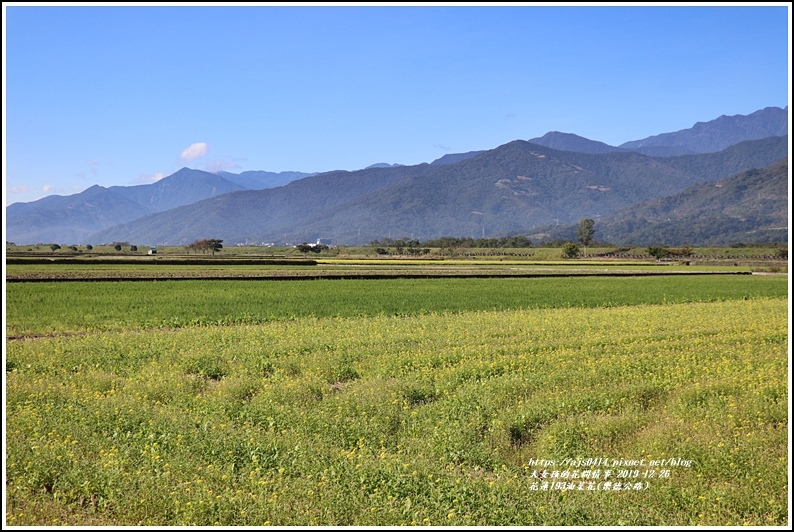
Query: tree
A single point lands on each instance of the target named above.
(211, 244)
(54, 247)
(214, 245)
(658, 252)
(314, 248)
(133, 248)
(570, 250)
(586, 232)
(117, 247)
(194, 246)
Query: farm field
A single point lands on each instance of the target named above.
(34, 309)
(443, 402)
(141, 269)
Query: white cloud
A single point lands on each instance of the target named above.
(194, 151)
(21, 189)
(47, 189)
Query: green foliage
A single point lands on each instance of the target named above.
(215, 245)
(658, 252)
(314, 248)
(586, 232)
(55, 247)
(570, 250)
(206, 366)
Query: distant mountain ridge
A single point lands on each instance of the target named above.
(452, 158)
(509, 189)
(703, 137)
(383, 165)
(571, 142)
(718, 134)
(73, 218)
(502, 191)
(259, 179)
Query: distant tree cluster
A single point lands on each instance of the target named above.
(662, 252)
(517, 241)
(315, 248)
(209, 244)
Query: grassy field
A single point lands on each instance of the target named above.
(75, 307)
(399, 402)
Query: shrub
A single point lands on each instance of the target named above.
(570, 250)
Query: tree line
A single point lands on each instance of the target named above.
(208, 244)
(517, 241)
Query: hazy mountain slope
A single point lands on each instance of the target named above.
(722, 132)
(259, 179)
(737, 158)
(512, 188)
(749, 207)
(183, 187)
(69, 219)
(664, 151)
(246, 216)
(526, 186)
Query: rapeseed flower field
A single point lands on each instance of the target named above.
(648, 414)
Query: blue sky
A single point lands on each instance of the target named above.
(126, 94)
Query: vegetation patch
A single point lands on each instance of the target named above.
(437, 418)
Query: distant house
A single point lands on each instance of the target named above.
(152, 251)
(323, 241)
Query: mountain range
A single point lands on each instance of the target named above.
(522, 187)
(751, 206)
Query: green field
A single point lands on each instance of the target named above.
(435, 402)
(73, 307)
